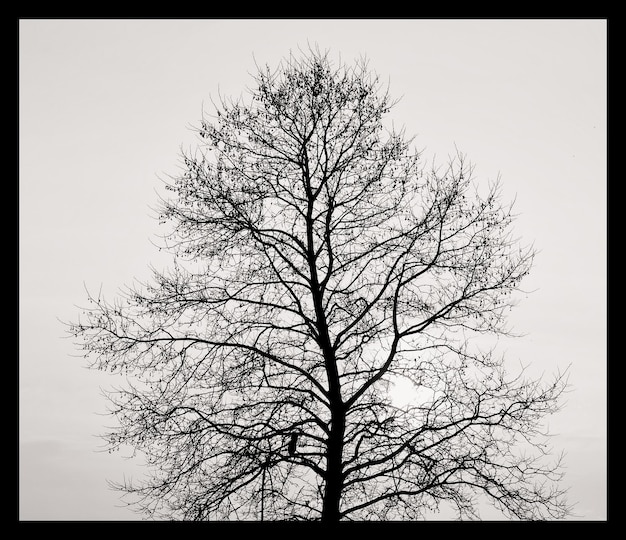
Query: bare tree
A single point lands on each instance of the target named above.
(317, 262)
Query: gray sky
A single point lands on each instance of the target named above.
(105, 106)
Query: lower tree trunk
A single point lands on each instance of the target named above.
(334, 470)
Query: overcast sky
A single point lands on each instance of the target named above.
(105, 106)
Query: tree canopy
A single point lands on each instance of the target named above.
(317, 261)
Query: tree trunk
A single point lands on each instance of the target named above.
(334, 468)
(334, 451)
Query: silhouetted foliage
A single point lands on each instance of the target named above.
(317, 262)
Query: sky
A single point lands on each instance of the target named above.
(105, 107)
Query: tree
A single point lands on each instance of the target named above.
(317, 262)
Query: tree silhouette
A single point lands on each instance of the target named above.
(317, 262)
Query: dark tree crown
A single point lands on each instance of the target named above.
(317, 263)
